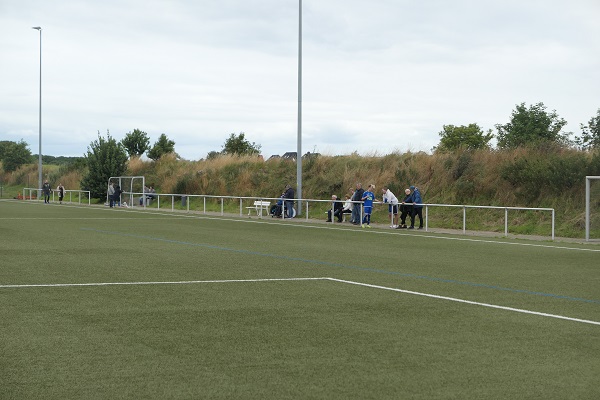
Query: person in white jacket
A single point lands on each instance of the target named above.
(392, 200)
(348, 205)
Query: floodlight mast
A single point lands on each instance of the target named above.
(39, 29)
(299, 149)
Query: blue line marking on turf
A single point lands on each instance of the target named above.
(331, 264)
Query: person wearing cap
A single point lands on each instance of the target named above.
(417, 208)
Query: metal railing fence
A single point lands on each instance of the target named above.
(309, 203)
(77, 194)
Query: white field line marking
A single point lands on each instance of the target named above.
(434, 296)
(79, 218)
(157, 283)
(236, 218)
(519, 310)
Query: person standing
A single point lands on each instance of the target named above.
(405, 209)
(288, 195)
(417, 208)
(46, 191)
(357, 196)
(389, 197)
(111, 194)
(117, 195)
(61, 192)
(368, 199)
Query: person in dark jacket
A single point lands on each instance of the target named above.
(406, 208)
(417, 208)
(357, 196)
(288, 195)
(46, 190)
(337, 206)
(117, 196)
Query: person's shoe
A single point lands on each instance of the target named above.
(411, 227)
(369, 226)
(362, 225)
(328, 220)
(420, 227)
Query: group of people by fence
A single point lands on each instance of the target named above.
(114, 195)
(286, 201)
(359, 199)
(46, 190)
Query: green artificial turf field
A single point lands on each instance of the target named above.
(115, 303)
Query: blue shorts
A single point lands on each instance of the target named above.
(394, 208)
(368, 210)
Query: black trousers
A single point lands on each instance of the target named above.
(337, 213)
(417, 211)
(404, 212)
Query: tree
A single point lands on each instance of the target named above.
(590, 135)
(531, 126)
(238, 145)
(162, 146)
(213, 155)
(13, 155)
(470, 137)
(105, 158)
(136, 143)
(4, 144)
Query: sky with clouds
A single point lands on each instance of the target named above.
(378, 76)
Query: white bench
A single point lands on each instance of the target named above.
(259, 206)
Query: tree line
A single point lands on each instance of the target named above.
(528, 126)
(105, 157)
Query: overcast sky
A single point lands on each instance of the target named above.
(378, 76)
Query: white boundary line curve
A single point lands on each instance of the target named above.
(434, 296)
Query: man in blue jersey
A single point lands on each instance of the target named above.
(368, 199)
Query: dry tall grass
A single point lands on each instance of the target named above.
(522, 177)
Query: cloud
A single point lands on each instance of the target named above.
(375, 75)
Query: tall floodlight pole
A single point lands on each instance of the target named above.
(299, 150)
(39, 28)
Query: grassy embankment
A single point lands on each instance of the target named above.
(548, 178)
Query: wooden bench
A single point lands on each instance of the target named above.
(259, 206)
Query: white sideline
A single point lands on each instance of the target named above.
(156, 283)
(434, 296)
